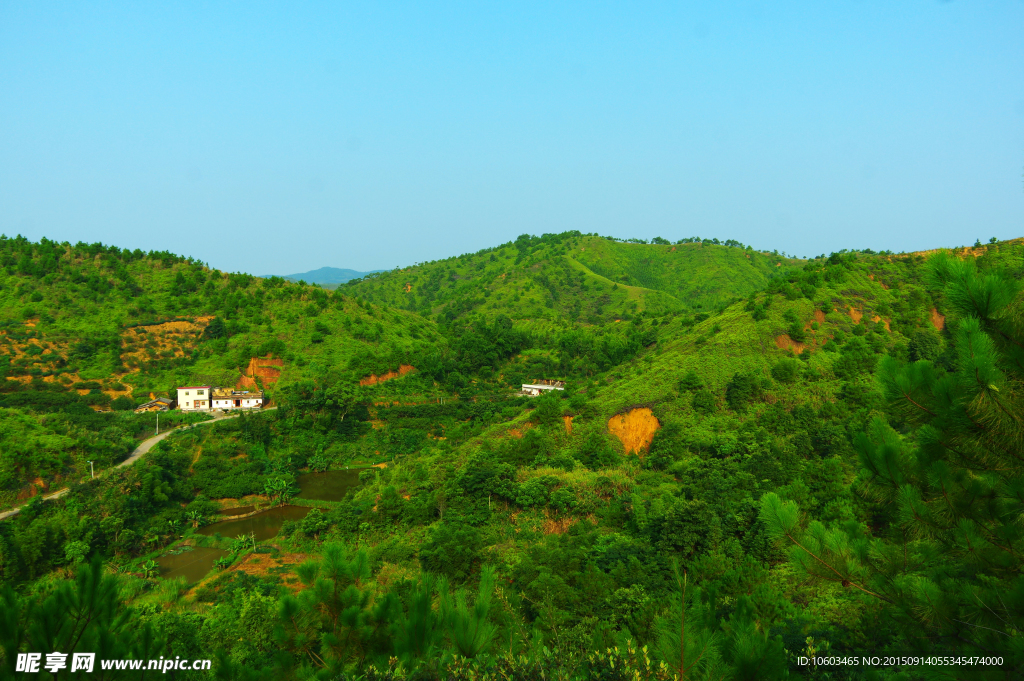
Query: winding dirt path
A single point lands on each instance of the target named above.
(136, 454)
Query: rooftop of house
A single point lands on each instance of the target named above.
(230, 393)
(159, 400)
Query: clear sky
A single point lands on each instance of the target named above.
(282, 137)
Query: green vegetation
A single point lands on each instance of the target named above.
(567, 278)
(834, 469)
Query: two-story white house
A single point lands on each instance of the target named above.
(207, 398)
(195, 398)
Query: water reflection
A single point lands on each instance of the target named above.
(265, 525)
(328, 486)
(192, 565)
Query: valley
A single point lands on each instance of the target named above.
(754, 458)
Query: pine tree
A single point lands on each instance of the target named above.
(83, 615)
(470, 629)
(335, 620)
(945, 555)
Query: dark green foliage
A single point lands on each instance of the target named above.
(856, 359)
(666, 446)
(216, 328)
(786, 370)
(595, 452)
(946, 499)
(925, 344)
(122, 404)
(452, 550)
(704, 401)
(741, 390)
(84, 615)
(690, 381)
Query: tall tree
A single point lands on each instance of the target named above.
(945, 556)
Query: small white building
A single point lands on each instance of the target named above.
(226, 398)
(194, 398)
(541, 387)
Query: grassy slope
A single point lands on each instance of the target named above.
(704, 276)
(92, 333)
(569, 278)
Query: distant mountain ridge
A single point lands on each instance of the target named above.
(325, 275)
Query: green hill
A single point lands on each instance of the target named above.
(814, 458)
(572, 278)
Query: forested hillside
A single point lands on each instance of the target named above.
(571, 278)
(755, 459)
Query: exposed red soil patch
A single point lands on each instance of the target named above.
(38, 486)
(856, 315)
(408, 287)
(938, 320)
(518, 432)
(784, 342)
(259, 565)
(568, 424)
(819, 316)
(170, 339)
(374, 379)
(558, 525)
(877, 319)
(635, 429)
(264, 368)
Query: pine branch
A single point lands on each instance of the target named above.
(842, 578)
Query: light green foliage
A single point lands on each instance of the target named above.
(573, 277)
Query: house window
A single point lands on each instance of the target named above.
(199, 392)
(186, 393)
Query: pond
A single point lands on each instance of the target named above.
(192, 565)
(265, 525)
(327, 486)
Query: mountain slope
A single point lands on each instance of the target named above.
(571, 278)
(673, 431)
(146, 320)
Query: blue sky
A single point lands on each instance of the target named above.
(282, 137)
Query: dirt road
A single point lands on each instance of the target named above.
(136, 454)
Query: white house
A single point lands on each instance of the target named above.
(226, 398)
(194, 398)
(207, 398)
(542, 386)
